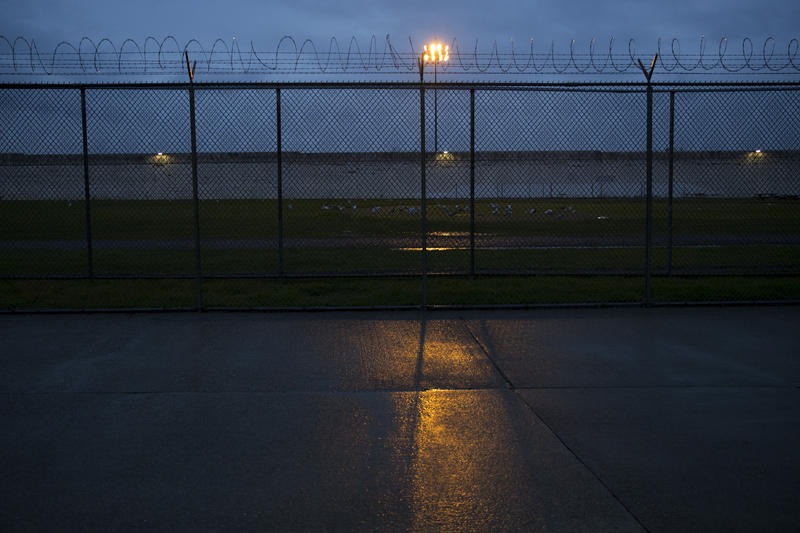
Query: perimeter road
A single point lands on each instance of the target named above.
(662, 419)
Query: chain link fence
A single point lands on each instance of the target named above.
(401, 181)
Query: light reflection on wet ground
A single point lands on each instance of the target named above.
(560, 420)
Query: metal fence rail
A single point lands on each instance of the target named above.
(399, 179)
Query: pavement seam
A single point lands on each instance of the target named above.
(582, 462)
(566, 446)
(487, 354)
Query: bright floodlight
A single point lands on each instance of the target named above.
(435, 52)
(758, 151)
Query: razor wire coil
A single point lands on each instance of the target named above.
(165, 57)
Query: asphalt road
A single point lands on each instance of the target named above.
(663, 419)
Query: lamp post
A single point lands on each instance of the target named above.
(435, 53)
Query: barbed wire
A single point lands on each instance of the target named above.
(22, 57)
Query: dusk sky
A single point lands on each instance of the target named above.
(264, 22)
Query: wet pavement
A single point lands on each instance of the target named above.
(663, 419)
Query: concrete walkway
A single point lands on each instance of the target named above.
(666, 419)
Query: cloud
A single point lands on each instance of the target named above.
(266, 22)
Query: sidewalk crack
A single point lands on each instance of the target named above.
(487, 353)
(581, 461)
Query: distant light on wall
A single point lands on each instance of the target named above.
(444, 159)
(755, 155)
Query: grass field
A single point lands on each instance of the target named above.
(258, 219)
(376, 292)
(545, 239)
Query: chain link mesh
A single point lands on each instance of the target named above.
(560, 181)
(324, 180)
(351, 189)
(41, 188)
(447, 169)
(238, 181)
(141, 182)
(736, 182)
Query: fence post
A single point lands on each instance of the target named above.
(648, 261)
(670, 191)
(195, 188)
(472, 181)
(649, 201)
(86, 191)
(423, 185)
(279, 154)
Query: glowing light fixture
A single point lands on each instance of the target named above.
(435, 53)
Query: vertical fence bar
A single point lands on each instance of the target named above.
(670, 190)
(472, 181)
(435, 110)
(648, 261)
(423, 186)
(86, 185)
(279, 155)
(195, 198)
(648, 237)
